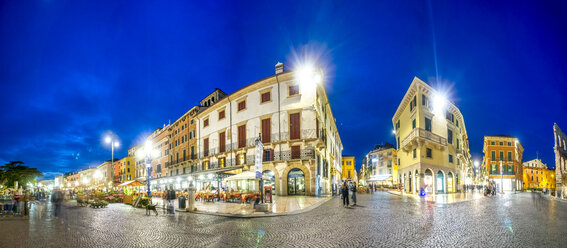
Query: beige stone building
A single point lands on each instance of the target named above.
(432, 142)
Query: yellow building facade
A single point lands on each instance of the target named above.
(381, 166)
(127, 168)
(432, 143)
(537, 176)
(349, 171)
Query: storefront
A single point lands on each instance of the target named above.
(269, 179)
(428, 181)
(296, 182)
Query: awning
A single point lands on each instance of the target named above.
(247, 175)
(378, 178)
(134, 183)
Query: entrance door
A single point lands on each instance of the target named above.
(296, 182)
(440, 182)
(450, 185)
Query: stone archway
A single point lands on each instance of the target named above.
(440, 183)
(308, 178)
(271, 167)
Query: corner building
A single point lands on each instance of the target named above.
(432, 142)
(302, 146)
(502, 162)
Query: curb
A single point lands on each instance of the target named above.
(259, 215)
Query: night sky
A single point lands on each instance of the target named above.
(72, 70)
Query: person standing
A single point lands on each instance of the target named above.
(57, 199)
(353, 187)
(170, 198)
(344, 191)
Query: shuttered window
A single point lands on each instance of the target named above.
(294, 126)
(242, 136)
(206, 146)
(295, 152)
(206, 123)
(221, 115)
(222, 142)
(266, 130)
(241, 105)
(266, 97)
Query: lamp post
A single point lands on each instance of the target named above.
(147, 152)
(113, 141)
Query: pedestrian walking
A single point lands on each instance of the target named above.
(353, 195)
(170, 198)
(57, 199)
(344, 192)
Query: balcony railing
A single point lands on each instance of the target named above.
(422, 133)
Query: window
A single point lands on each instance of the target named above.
(501, 156)
(509, 143)
(450, 116)
(424, 100)
(221, 115)
(295, 152)
(266, 130)
(206, 122)
(429, 153)
(493, 168)
(191, 121)
(184, 155)
(415, 101)
(265, 97)
(428, 124)
(510, 168)
(242, 105)
(414, 153)
(348, 162)
(268, 155)
(293, 90)
(206, 147)
(491, 142)
(242, 136)
(450, 158)
(450, 136)
(222, 142)
(221, 162)
(413, 124)
(493, 156)
(184, 171)
(510, 156)
(294, 126)
(501, 143)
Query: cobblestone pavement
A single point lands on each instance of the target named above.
(381, 220)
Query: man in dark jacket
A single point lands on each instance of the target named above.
(170, 198)
(344, 191)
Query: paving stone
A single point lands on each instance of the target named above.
(381, 220)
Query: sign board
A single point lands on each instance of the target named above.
(258, 161)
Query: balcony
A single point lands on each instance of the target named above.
(421, 136)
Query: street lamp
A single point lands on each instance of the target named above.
(113, 141)
(147, 152)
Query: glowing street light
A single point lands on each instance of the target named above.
(147, 152)
(113, 141)
(439, 103)
(308, 76)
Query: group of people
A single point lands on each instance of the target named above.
(345, 194)
(490, 188)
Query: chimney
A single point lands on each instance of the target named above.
(279, 67)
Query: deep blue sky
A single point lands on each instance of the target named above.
(72, 70)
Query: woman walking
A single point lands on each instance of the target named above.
(353, 194)
(344, 190)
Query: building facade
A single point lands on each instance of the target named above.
(349, 169)
(432, 142)
(126, 169)
(381, 166)
(183, 143)
(560, 150)
(537, 176)
(502, 162)
(302, 146)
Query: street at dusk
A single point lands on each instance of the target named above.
(424, 123)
